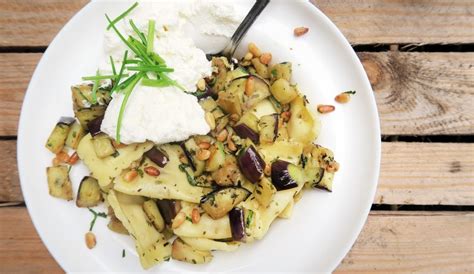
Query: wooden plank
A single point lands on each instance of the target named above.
(35, 23)
(425, 242)
(390, 241)
(422, 93)
(416, 93)
(411, 174)
(401, 21)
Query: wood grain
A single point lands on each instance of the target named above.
(35, 23)
(411, 174)
(390, 241)
(421, 93)
(416, 93)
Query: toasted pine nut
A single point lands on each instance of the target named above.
(249, 86)
(195, 216)
(332, 167)
(286, 115)
(152, 171)
(178, 220)
(203, 154)
(118, 145)
(73, 159)
(183, 159)
(231, 145)
(204, 145)
(266, 58)
(130, 175)
(222, 135)
(90, 240)
(248, 56)
(342, 98)
(267, 170)
(201, 84)
(234, 117)
(326, 108)
(62, 156)
(300, 31)
(254, 50)
(211, 121)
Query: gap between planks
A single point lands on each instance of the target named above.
(416, 93)
(390, 241)
(411, 174)
(35, 23)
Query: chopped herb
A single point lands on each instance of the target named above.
(137, 31)
(69, 169)
(189, 219)
(121, 16)
(94, 88)
(123, 253)
(191, 181)
(352, 92)
(114, 71)
(96, 214)
(304, 160)
(249, 218)
(274, 73)
(151, 36)
(194, 261)
(140, 172)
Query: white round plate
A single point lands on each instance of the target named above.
(324, 225)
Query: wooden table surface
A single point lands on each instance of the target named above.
(420, 61)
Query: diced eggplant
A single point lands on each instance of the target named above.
(94, 126)
(229, 174)
(236, 73)
(85, 115)
(103, 146)
(261, 91)
(75, 135)
(217, 158)
(237, 225)
(302, 126)
(283, 91)
(58, 136)
(268, 126)
(219, 202)
(222, 69)
(264, 192)
(191, 149)
(251, 164)
(229, 102)
(157, 156)
(217, 113)
(243, 131)
(208, 92)
(152, 212)
(281, 71)
(208, 104)
(250, 120)
(183, 252)
(82, 96)
(58, 182)
(285, 175)
(89, 194)
(168, 209)
(116, 225)
(326, 181)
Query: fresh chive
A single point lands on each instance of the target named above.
(95, 87)
(137, 31)
(113, 65)
(100, 77)
(156, 83)
(140, 48)
(158, 58)
(351, 92)
(128, 90)
(176, 84)
(151, 69)
(121, 36)
(133, 61)
(151, 36)
(121, 16)
(120, 75)
(123, 253)
(96, 214)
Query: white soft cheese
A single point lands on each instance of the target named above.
(160, 115)
(167, 114)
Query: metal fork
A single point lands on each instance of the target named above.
(230, 48)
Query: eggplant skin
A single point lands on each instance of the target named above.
(251, 164)
(157, 156)
(244, 131)
(94, 125)
(237, 226)
(281, 175)
(168, 209)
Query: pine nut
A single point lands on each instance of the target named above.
(342, 98)
(130, 175)
(90, 240)
(266, 58)
(249, 86)
(178, 220)
(332, 167)
(231, 145)
(201, 84)
(254, 50)
(248, 56)
(211, 121)
(204, 145)
(300, 31)
(234, 117)
(222, 135)
(195, 216)
(203, 154)
(267, 170)
(152, 171)
(326, 108)
(73, 159)
(285, 116)
(62, 156)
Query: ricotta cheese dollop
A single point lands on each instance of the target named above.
(167, 114)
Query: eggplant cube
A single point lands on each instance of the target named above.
(151, 210)
(219, 202)
(75, 135)
(59, 183)
(251, 164)
(103, 146)
(89, 194)
(285, 175)
(264, 192)
(58, 136)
